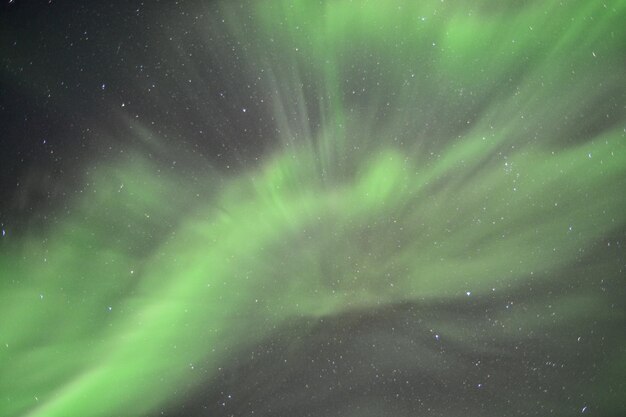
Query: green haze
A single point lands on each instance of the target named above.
(424, 151)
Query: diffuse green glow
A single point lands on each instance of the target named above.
(224, 259)
(123, 296)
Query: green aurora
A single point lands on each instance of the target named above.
(425, 151)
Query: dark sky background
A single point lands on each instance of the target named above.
(73, 72)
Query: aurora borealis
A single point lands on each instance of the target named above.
(313, 208)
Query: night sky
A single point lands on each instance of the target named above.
(302, 208)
